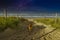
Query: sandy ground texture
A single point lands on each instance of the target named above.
(39, 31)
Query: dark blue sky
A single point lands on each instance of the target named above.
(31, 5)
(46, 5)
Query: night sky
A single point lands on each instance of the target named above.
(30, 5)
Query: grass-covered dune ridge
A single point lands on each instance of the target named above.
(54, 22)
(16, 23)
(11, 22)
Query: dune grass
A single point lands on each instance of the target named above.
(54, 22)
(10, 22)
(16, 23)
